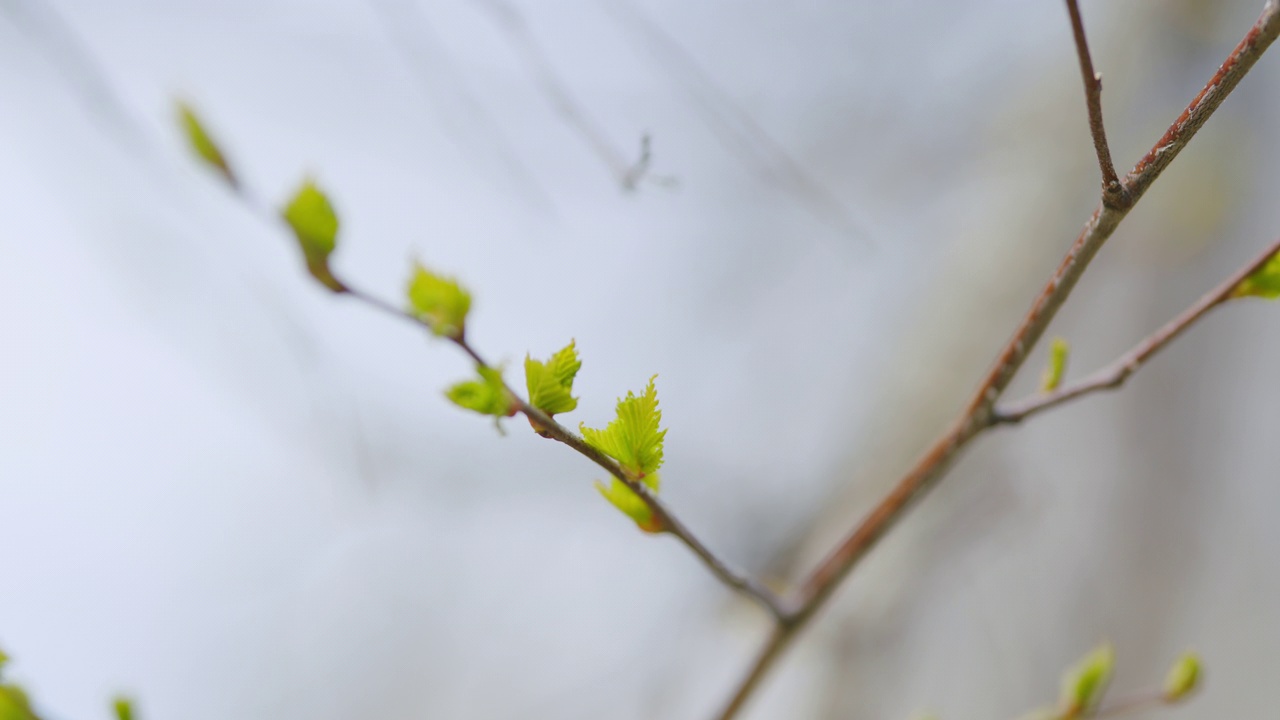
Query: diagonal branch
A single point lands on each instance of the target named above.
(1113, 193)
(1114, 375)
(978, 415)
(548, 427)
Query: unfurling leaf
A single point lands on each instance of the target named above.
(633, 438)
(1057, 367)
(1084, 685)
(1264, 283)
(631, 504)
(439, 301)
(1183, 678)
(123, 708)
(315, 225)
(487, 396)
(203, 143)
(551, 383)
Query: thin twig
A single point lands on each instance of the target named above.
(1115, 374)
(977, 414)
(666, 520)
(1113, 193)
(1133, 703)
(548, 427)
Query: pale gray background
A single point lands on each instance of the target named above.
(233, 495)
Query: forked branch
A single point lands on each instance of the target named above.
(978, 414)
(1113, 192)
(1115, 374)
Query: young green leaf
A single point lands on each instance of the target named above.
(1183, 678)
(438, 300)
(123, 708)
(1084, 685)
(1057, 367)
(551, 383)
(1264, 283)
(315, 225)
(487, 396)
(633, 438)
(14, 704)
(203, 143)
(631, 504)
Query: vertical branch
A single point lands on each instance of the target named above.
(1113, 193)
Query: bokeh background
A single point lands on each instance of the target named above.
(230, 494)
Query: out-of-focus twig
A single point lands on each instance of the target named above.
(628, 175)
(735, 127)
(463, 114)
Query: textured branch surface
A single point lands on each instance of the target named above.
(978, 414)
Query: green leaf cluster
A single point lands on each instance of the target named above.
(1057, 368)
(550, 383)
(634, 439)
(486, 395)
(203, 143)
(439, 301)
(315, 225)
(1264, 283)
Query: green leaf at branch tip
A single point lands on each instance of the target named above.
(1183, 678)
(1057, 367)
(315, 225)
(487, 396)
(1084, 685)
(631, 504)
(551, 383)
(1264, 283)
(123, 708)
(14, 703)
(633, 438)
(439, 301)
(203, 143)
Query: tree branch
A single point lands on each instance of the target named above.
(977, 415)
(1113, 193)
(547, 426)
(1114, 375)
